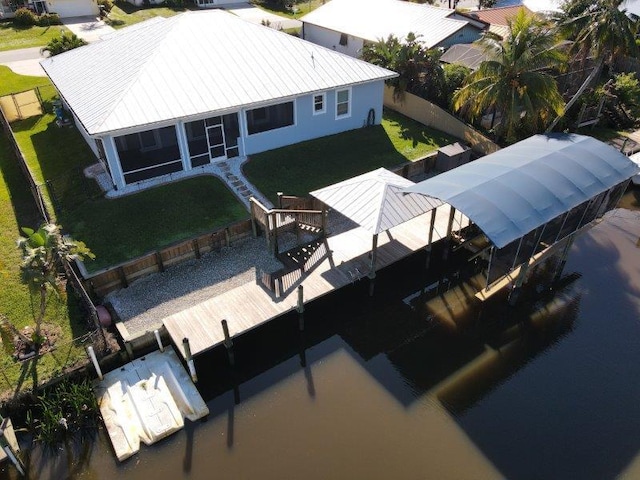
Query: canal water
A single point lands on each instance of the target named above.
(416, 385)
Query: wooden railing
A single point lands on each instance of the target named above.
(277, 220)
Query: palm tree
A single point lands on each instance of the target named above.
(515, 82)
(598, 28)
(67, 41)
(43, 252)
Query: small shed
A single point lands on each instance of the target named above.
(452, 156)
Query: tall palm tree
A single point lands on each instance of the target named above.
(598, 28)
(515, 82)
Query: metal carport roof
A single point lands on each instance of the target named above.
(519, 188)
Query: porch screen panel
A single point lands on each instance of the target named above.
(149, 154)
(197, 143)
(231, 134)
(269, 118)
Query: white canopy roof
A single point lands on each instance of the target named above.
(193, 64)
(373, 20)
(375, 200)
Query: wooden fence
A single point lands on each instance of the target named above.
(117, 277)
(431, 115)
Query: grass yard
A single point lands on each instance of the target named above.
(13, 37)
(301, 168)
(124, 14)
(299, 9)
(121, 229)
(16, 210)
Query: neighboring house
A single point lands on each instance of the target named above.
(497, 18)
(162, 99)
(199, 3)
(64, 8)
(468, 55)
(346, 25)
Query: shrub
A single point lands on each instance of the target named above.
(49, 19)
(25, 17)
(174, 3)
(627, 88)
(107, 4)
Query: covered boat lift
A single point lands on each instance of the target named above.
(529, 200)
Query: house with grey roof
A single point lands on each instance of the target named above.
(347, 25)
(167, 98)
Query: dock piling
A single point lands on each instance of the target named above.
(94, 360)
(189, 359)
(228, 343)
(300, 307)
(159, 340)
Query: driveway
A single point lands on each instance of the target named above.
(89, 29)
(25, 61)
(253, 14)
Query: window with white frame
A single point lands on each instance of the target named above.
(343, 103)
(319, 103)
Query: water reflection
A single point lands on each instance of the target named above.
(419, 383)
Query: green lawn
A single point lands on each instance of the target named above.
(12, 37)
(124, 14)
(300, 9)
(301, 168)
(16, 210)
(122, 229)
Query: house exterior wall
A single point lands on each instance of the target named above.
(331, 39)
(87, 138)
(468, 34)
(309, 126)
(73, 8)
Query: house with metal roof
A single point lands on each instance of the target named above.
(167, 98)
(347, 25)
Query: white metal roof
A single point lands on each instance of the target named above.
(375, 200)
(191, 64)
(373, 20)
(519, 188)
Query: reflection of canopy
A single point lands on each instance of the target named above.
(375, 201)
(519, 188)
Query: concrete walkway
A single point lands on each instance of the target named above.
(24, 61)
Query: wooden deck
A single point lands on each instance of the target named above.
(346, 258)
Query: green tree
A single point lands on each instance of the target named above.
(597, 28)
(515, 82)
(43, 252)
(67, 41)
(418, 68)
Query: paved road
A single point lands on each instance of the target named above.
(24, 61)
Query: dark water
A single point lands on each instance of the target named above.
(408, 387)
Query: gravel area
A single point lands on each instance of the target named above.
(144, 304)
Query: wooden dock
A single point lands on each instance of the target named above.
(343, 259)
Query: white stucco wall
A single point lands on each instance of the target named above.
(331, 39)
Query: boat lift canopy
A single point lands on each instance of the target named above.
(515, 190)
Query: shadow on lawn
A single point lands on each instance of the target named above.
(24, 207)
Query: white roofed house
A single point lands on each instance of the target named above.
(347, 25)
(167, 98)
